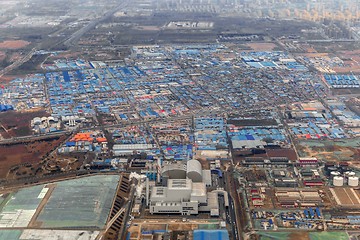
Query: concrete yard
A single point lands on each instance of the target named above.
(36, 234)
(346, 196)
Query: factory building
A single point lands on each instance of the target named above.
(304, 197)
(129, 149)
(280, 162)
(188, 169)
(308, 162)
(290, 183)
(313, 183)
(194, 170)
(173, 171)
(184, 191)
(275, 162)
(255, 161)
(181, 196)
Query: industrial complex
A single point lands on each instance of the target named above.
(178, 156)
(179, 120)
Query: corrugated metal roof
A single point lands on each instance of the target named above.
(211, 235)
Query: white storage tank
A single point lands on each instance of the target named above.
(334, 174)
(37, 121)
(353, 181)
(338, 181)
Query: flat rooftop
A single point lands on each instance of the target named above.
(79, 203)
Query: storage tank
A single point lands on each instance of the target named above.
(37, 120)
(353, 181)
(334, 174)
(194, 170)
(350, 174)
(338, 181)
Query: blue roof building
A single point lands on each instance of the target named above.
(211, 235)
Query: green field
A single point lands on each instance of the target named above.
(328, 235)
(302, 235)
(10, 234)
(355, 142)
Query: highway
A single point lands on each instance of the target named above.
(30, 138)
(18, 63)
(231, 219)
(69, 41)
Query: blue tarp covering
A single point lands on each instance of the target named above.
(306, 213)
(70, 144)
(217, 171)
(4, 108)
(66, 76)
(318, 212)
(250, 137)
(312, 214)
(211, 235)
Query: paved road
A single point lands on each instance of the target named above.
(18, 63)
(33, 137)
(234, 209)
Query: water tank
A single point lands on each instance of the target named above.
(353, 181)
(194, 170)
(37, 120)
(350, 174)
(338, 181)
(334, 174)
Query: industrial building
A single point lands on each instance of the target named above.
(180, 196)
(187, 169)
(211, 234)
(128, 149)
(185, 191)
(247, 144)
(290, 183)
(307, 162)
(275, 162)
(45, 125)
(255, 161)
(288, 197)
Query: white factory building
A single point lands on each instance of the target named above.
(181, 170)
(185, 192)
